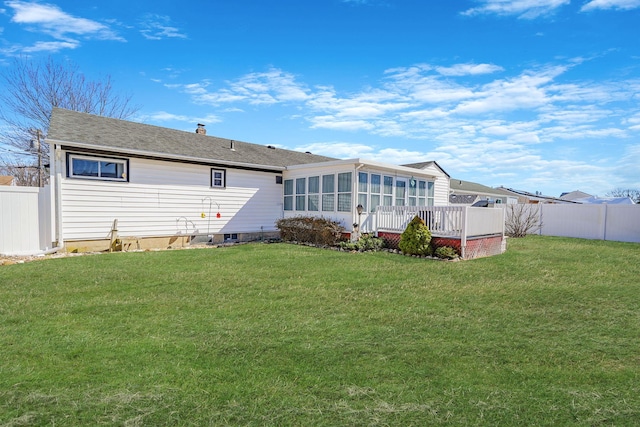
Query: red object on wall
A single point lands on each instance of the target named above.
(218, 215)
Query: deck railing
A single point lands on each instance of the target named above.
(461, 222)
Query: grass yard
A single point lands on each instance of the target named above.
(276, 334)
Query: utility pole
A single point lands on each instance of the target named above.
(36, 144)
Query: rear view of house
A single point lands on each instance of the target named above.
(156, 186)
(148, 186)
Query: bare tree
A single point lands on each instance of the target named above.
(522, 219)
(32, 88)
(633, 194)
(23, 175)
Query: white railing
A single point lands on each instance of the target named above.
(458, 222)
(484, 221)
(443, 221)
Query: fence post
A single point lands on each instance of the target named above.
(604, 223)
(465, 227)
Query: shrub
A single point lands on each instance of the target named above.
(446, 252)
(521, 219)
(309, 229)
(366, 243)
(415, 238)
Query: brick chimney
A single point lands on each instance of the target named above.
(201, 130)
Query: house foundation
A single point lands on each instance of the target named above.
(133, 243)
(476, 247)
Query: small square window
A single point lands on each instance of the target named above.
(218, 178)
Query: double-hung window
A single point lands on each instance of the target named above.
(288, 194)
(301, 184)
(100, 168)
(344, 192)
(413, 192)
(388, 191)
(328, 193)
(430, 194)
(313, 198)
(375, 191)
(422, 193)
(401, 192)
(363, 189)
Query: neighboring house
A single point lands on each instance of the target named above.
(6, 180)
(584, 198)
(148, 186)
(575, 195)
(467, 193)
(525, 197)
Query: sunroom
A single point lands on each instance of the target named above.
(336, 189)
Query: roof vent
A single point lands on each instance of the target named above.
(307, 152)
(201, 130)
(232, 145)
(271, 146)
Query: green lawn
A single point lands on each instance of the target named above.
(276, 334)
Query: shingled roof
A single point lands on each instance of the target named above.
(103, 133)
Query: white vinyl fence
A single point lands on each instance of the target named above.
(25, 220)
(600, 222)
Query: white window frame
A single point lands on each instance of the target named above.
(328, 202)
(313, 196)
(222, 179)
(301, 194)
(344, 195)
(288, 194)
(124, 177)
(363, 190)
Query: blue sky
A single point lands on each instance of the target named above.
(538, 95)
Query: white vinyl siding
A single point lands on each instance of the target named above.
(168, 198)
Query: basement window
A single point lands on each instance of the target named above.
(100, 168)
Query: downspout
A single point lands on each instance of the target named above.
(57, 210)
(57, 163)
(354, 188)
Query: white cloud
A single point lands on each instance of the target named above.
(468, 69)
(63, 27)
(526, 91)
(157, 27)
(524, 9)
(52, 20)
(51, 46)
(271, 87)
(471, 121)
(163, 116)
(343, 150)
(611, 4)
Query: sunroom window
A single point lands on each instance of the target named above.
(344, 192)
(100, 168)
(288, 194)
